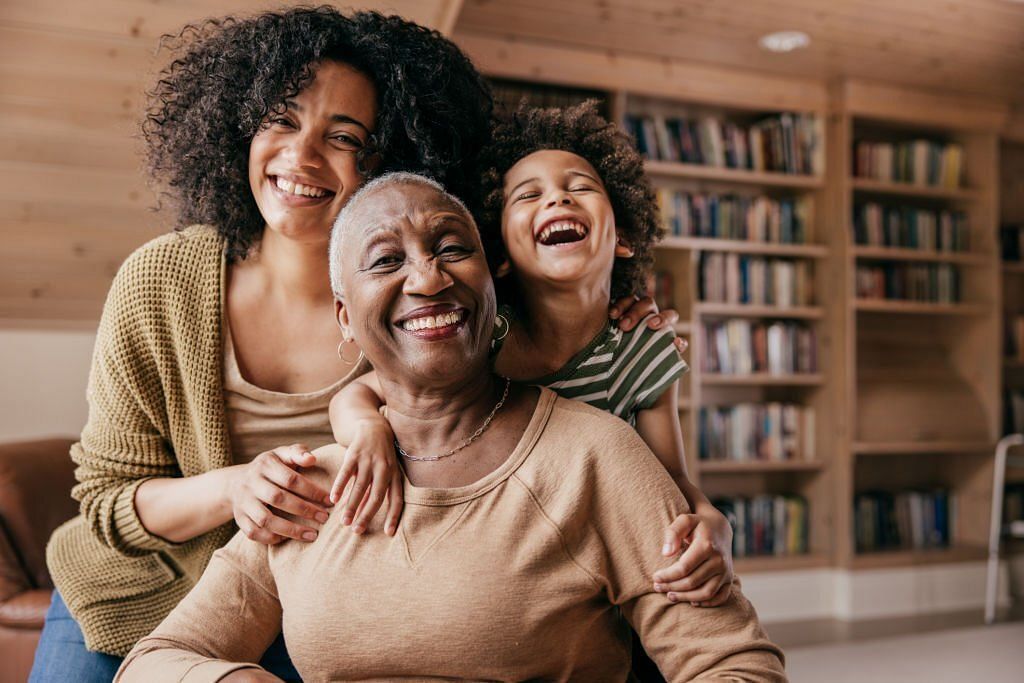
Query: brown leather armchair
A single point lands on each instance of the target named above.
(35, 497)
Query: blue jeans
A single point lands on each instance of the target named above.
(61, 655)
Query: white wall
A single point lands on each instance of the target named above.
(43, 375)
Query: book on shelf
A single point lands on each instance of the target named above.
(742, 347)
(1014, 342)
(906, 520)
(1011, 239)
(756, 432)
(918, 162)
(783, 143)
(737, 279)
(772, 525)
(929, 282)
(734, 217)
(908, 227)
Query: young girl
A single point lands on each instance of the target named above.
(569, 222)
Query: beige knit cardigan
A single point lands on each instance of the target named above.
(156, 409)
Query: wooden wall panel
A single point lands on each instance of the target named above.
(73, 202)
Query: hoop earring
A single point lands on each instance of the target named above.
(341, 353)
(500, 323)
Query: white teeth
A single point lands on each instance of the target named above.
(562, 226)
(432, 322)
(299, 189)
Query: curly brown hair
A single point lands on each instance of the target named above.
(583, 131)
(229, 74)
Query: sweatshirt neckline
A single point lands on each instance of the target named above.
(422, 495)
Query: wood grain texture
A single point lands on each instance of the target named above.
(73, 200)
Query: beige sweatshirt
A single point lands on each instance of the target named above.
(531, 572)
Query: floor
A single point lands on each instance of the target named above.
(978, 653)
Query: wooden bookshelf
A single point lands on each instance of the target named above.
(919, 307)
(717, 310)
(1013, 268)
(744, 247)
(779, 563)
(674, 169)
(903, 430)
(884, 559)
(897, 254)
(921, 447)
(913, 191)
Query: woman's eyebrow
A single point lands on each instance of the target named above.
(335, 118)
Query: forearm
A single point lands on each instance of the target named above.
(352, 405)
(696, 499)
(179, 509)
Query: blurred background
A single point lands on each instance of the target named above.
(843, 181)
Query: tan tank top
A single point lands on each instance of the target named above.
(259, 419)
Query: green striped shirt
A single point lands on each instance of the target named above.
(619, 372)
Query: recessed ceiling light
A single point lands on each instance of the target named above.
(784, 41)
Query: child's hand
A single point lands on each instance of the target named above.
(703, 574)
(630, 310)
(372, 467)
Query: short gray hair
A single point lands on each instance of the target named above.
(350, 212)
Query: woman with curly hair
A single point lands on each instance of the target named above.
(217, 342)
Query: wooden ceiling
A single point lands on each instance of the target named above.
(970, 46)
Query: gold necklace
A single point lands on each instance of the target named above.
(472, 437)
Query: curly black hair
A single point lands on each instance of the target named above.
(583, 131)
(230, 74)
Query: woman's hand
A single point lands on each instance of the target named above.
(271, 484)
(703, 574)
(371, 465)
(630, 310)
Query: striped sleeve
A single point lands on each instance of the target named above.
(647, 364)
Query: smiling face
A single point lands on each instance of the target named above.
(302, 163)
(418, 298)
(557, 224)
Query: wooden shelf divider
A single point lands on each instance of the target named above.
(919, 307)
(757, 466)
(712, 309)
(815, 251)
(911, 190)
(674, 169)
(899, 254)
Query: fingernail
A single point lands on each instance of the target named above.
(391, 530)
(321, 517)
(672, 597)
(666, 549)
(614, 314)
(358, 529)
(309, 535)
(346, 520)
(331, 499)
(656, 320)
(659, 587)
(695, 604)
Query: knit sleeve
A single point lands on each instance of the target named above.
(123, 442)
(230, 618)
(638, 500)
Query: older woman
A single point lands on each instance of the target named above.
(509, 494)
(217, 343)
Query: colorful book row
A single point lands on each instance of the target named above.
(756, 431)
(910, 228)
(785, 143)
(908, 520)
(741, 347)
(737, 279)
(734, 217)
(934, 283)
(919, 162)
(767, 525)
